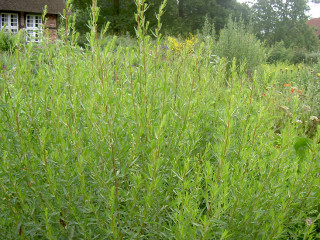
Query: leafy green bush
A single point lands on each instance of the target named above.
(313, 57)
(279, 53)
(237, 41)
(299, 56)
(6, 41)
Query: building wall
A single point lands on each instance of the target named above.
(52, 26)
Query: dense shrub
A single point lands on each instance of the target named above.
(237, 41)
(6, 41)
(279, 53)
(313, 57)
(299, 56)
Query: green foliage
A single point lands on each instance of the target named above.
(276, 21)
(117, 142)
(297, 91)
(6, 41)
(299, 56)
(279, 53)
(301, 146)
(313, 57)
(237, 41)
(174, 21)
(208, 31)
(120, 23)
(303, 37)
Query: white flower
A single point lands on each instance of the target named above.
(313, 118)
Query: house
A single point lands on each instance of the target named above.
(315, 23)
(27, 14)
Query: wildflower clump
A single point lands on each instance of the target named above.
(188, 44)
(175, 45)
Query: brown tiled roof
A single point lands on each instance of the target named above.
(33, 6)
(315, 23)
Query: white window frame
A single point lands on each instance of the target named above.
(34, 28)
(12, 23)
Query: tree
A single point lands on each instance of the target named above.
(180, 17)
(189, 15)
(283, 20)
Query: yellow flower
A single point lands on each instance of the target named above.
(318, 74)
(188, 44)
(175, 45)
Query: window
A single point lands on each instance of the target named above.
(9, 21)
(34, 28)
